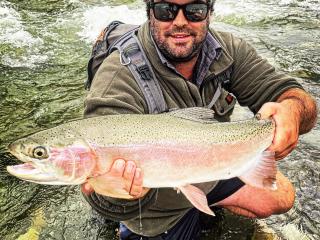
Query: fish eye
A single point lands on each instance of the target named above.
(40, 152)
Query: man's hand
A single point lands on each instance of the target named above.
(287, 121)
(123, 180)
(294, 113)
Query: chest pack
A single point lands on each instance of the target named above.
(123, 37)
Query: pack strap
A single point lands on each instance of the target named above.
(223, 101)
(132, 56)
(101, 48)
(216, 96)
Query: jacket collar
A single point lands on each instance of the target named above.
(225, 61)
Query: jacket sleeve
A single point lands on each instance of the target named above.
(120, 209)
(114, 91)
(254, 81)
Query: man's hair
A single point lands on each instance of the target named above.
(211, 2)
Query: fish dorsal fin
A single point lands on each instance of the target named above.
(199, 114)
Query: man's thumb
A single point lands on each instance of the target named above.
(86, 188)
(267, 110)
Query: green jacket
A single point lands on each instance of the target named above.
(114, 91)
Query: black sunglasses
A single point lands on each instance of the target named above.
(166, 12)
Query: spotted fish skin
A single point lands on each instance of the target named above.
(173, 149)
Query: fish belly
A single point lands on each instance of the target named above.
(173, 165)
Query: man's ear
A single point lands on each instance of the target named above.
(210, 17)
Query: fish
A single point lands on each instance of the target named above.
(173, 149)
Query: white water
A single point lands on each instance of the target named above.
(14, 34)
(97, 18)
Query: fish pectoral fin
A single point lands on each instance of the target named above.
(263, 175)
(197, 197)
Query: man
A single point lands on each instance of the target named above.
(184, 54)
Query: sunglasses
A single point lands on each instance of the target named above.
(193, 12)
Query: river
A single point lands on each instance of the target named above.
(44, 49)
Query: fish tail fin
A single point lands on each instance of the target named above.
(263, 175)
(197, 197)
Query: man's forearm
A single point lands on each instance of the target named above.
(305, 106)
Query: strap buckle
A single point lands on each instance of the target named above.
(144, 72)
(122, 59)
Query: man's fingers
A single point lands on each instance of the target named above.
(283, 150)
(138, 178)
(284, 140)
(124, 179)
(117, 168)
(267, 110)
(136, 188)
(133, 179)
(87, 189)
(129, 171)
(128, 174)
(283, 153)
(286, 135)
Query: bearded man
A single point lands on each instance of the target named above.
(186, 56)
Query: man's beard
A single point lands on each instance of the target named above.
(167, 51)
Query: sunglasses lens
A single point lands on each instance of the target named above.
(165, 11)
(196, 12)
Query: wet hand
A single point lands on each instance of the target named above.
(287, 120)
(123, 180)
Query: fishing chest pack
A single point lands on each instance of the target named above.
(123, 37)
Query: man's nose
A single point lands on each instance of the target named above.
(180, 19)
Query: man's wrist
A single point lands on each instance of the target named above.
(303, 106)
(296, 106)
(297, 100)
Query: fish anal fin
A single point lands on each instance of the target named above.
(197, 197)
(263, 175)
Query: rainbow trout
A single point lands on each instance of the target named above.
(173, 149)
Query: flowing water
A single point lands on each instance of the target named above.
(44, 48)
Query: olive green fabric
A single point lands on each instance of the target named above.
(114, 91)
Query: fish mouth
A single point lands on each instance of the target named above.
(29, 172)
(40, 171)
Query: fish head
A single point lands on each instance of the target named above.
(55, 160)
